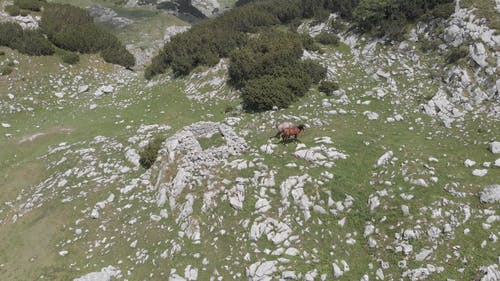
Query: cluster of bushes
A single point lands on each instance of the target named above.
(28, 42)
(13, 10)
(381, 17)
(270, 73)
(213, 39)
(32, 5)
(22, 7)
(67, 27)
(149, 154)
(72, 28)
(389, 17)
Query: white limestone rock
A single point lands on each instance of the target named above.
(469, 163)
(261, 271)
(105, 274)
(479, 172)
(490, 194)
(478, 54)
(384, 159)
(495, 147)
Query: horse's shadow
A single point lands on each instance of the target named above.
(290, 140)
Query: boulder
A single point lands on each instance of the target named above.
(495, 147)
(490, 194)
(478, 53)
(453, 36)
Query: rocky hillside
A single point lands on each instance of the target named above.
(396, 177)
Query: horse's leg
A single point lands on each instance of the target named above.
(278, 134)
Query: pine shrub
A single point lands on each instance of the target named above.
(328, 87)
(149, 154)
(118, 55)
(327, 38)
(6, 70)
(70, 57)
(32, 5)
(9, 32)
(13, 10)
(33, 43)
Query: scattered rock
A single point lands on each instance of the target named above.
(490, 194)
(494, 147)
(104, 275)
(479, 172)
(469, 163)
(478, 54)
(384, 159)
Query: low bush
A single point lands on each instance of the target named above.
(328, 86)
(9, 32)
(442, 11)
(13, 10)
(118, 55)
(33, 5)
(313, 69)
(327, 38)
(456, 54)
(266, 92)
(149, 154)
(308, 42)
(33, 43)
(6, 70)
(427, 45)
(70, 58)
(2, 53)
(73, 29)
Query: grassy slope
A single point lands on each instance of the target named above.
(40, 232)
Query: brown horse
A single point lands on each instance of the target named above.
(292, 131)
(282, 127)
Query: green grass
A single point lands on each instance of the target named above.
(45, 231)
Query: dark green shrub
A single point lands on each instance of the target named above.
(87, 38)
(207, 42)
(388, 17)
(344, 7)
(33, 43)
(9, 32)
(266, 92)
(70, 58)
(72, 28)
(149, 154)
(2, 53)
(6, 70)
(456, 54)
(118, 55)
(24, 13)
(263, 55)
(313, 69)
(308, 42)
(13, 10)
(328, 86)
(337, 25)
(33, 5)
(442, 11)
(427, 45)
(326, 38)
